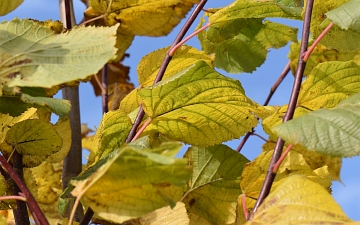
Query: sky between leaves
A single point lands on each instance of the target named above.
(261, 87)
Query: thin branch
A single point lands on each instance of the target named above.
(33, 206)
(244, 140)
(270, 176)
(72, 165)
(282, 157)
(259, 136)
(147, 122)
(13, 197)
(20, 212)
(104, 84)
(165, 63)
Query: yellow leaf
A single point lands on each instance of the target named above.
(298, 200)
(167, 215)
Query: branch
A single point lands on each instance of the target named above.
(104, 92)
(73, 161)
(270, 176)
(33, 206)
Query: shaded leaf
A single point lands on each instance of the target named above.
(63, 128)
(167, 215)
(8, 6)
(44, 59)
(35, 140)
(132, 179)
(297, 200)
(208, 103)
(347, 16)
(214, 186)
(241, 45)
(332, 132)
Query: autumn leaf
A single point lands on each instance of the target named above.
(167, 215)
(8, 6)
(43, 59)
(191, 113)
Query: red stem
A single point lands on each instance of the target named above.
(281, 159)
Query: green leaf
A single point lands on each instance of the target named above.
(328, 84)
(332, 132)
(214, 185)
(167, 215)
(199, 106)
(32, 55)
(111, 134)
(35, 140)
(241, 45)
(298, 200)
(8, 6)
(258, 9)
(347, 16)
(133, 180)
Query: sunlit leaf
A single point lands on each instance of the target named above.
(63, 128)
(332, 132)
(298, 200)
(111, 133)
(133, 180)
(35, 140)
(241, 45)
(258, 9)
(8, 6)
(35, 56)
(191, 113)
(214, 186)
(167, 215)
(148, 17)
(347, 16)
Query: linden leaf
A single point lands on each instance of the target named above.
(111, 134)
(298, 200)
(166, 215)
(147, 17)
(347, 16)
(241, 45)
(35, 140)
(133, 180)
(63, 128)
(328, 84)
(35, 56)
(8, 6)
(193, 104)
(214, 186)
(328, 131)
(258, 9)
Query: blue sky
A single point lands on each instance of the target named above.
(257, 86)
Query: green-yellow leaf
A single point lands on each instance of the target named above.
(241, 45)
(258, 9)
(8, 6)
(199, 106)
(328, 84)
(167, 215)
(133, 180)
(63, 128)
(214, 185)
(332, 132)
(35, 140)
(32, 55)
(111, 133)
(298, 200)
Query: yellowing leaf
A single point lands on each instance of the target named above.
(111, 134)
(133, 180)
(328, 84)
(8, 6)
(347, 15)
(214, 186)
(35, 140)
(258, 9)
(145, 17)
(167, 215)
(63, 128)
(241, 45)
(332, 132)
(195, 103)
(42, 59)
(298, 200)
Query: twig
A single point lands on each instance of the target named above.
(259, 136)
(243, 203)
(282, 157)
(104, 84)
(147, 122)
(20, 212)
(270, 176)
(72, 165)
(33, 206)
(13, 197)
